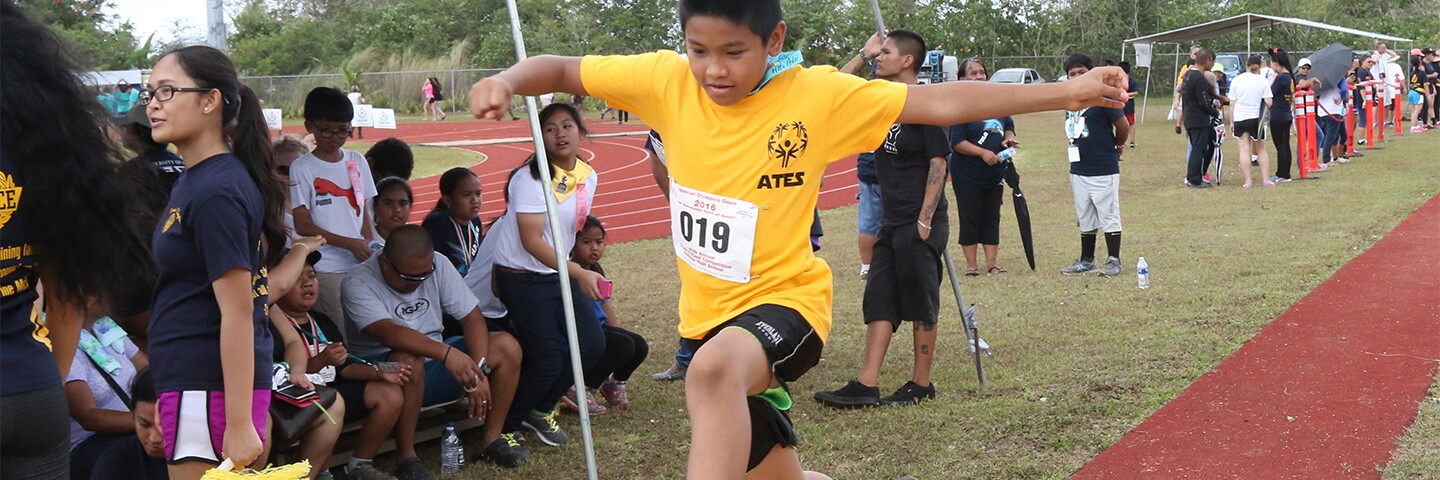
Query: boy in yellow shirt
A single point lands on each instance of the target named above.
(750, 133)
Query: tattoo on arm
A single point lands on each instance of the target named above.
(933, 184)
(924, 349)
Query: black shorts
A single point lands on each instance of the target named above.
(1251, 126)
(793, 348)
(979, 214)
(905, 275)
(353, 391)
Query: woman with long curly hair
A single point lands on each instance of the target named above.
(64, 228)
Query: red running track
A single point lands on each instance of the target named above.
(1324, 391)
(627, 199)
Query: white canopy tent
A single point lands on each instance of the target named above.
(1244, 22)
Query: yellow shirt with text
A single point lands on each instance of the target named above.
(771, 150)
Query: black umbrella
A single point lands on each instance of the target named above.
(1330, 66)
(1022, 212)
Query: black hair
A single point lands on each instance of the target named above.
(391, 157)
(137, 137)
(142, 388)
(434, 86)
(760, 16)
(394, 182)
(1109, 62)
(246, 132)
(449, 181)
(591, 221)
(965, 65)
(1279, 57)
(408, 241)
(1414, 61)
(146, 191)
(545, 114)
(1204, 55)
(53, 129)
(1253, 60)
(1125, 67)
(910, 43)
(328, 104)
(1079, 60)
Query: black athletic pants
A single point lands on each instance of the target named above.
(1280, 132)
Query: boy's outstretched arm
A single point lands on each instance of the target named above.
(489, 98)
(953, 103)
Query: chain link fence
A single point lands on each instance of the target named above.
(397, 90)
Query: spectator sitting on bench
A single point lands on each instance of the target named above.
(140, 456)
(393, 307)
(368, 393)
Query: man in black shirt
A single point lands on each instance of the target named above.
(141, 457)
(1198, 109)
(904, 279)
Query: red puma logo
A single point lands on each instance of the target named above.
(323, 186)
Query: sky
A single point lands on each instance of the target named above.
(167, 19)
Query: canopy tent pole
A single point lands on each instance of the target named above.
(556, 232)
(1247, 37)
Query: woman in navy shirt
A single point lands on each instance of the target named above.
(210, 347)
(977, 171)
(63, 219)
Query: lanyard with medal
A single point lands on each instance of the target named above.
(1075, 130)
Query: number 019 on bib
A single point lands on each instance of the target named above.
(713, 234)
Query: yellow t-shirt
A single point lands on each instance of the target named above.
(769, 151)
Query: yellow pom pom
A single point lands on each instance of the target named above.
(294, 471)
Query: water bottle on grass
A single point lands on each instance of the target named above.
(452, 453)
(1142, 273)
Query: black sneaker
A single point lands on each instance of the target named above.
(412, 469)
(545, 428)
(505, 451)
(909, 394)
(852, 395)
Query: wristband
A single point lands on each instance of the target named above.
(447, 354)
(922, 224)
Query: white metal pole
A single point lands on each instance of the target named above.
(561, 261)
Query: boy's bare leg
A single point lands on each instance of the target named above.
(877, 341)
(782, 464)
(414, 390)
(504, 379)
(726, 370)
(925, 334)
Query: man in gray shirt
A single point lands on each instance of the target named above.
(393, 307)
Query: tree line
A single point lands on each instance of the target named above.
(284, 37)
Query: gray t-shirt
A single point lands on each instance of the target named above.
(368, 299)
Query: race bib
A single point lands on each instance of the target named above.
(713, 234)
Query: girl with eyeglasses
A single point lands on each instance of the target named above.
(64, 221)
(523, 255)
(210, 345)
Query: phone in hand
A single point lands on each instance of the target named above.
(607, 288)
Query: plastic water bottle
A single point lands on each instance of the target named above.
(1142, 273)
(452, 453)
(1006, 153)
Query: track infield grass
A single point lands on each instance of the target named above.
(1078, 360)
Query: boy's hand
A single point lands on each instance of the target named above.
(872, 46)
(359, 249)
(489, 98)
(1101, 87)
(334, 354)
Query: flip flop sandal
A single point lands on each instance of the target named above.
(997, 269)
(974, 272)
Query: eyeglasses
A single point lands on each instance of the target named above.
(328, 133)
(408, 277)
(166, 92)
(415, 278)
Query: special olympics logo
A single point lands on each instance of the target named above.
(788, 142)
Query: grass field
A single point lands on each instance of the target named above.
(429, 161)
(1078, 360)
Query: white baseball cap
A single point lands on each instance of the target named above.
(1304, 62)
